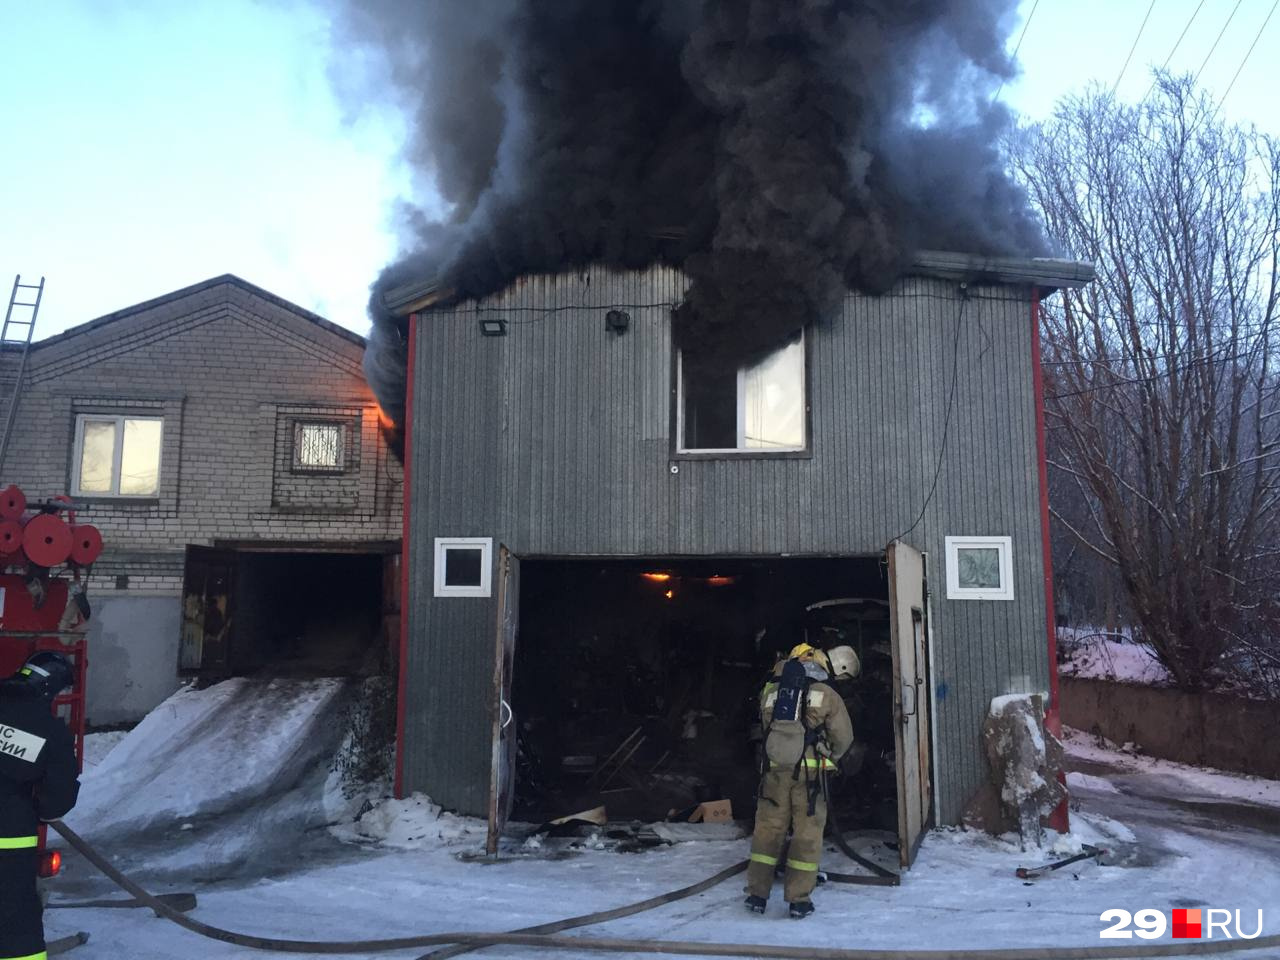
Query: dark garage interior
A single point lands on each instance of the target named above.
(307, 614)
(285, 614)
(636, 681)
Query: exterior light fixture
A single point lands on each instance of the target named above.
(719, 581)
(657, 577)
(493, 327)
(617, 321)
(669, 594)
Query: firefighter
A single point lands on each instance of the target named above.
(38, 781)
(806, 732)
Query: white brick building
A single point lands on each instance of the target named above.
(222, 437)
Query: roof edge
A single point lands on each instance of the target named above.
(1047, 273)
(228, 278)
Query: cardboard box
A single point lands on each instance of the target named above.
(713, 811)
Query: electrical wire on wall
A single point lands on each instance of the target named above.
(946, 419)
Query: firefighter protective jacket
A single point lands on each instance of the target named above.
(38, 767)
(825, 712)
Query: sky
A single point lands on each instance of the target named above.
(152, 144)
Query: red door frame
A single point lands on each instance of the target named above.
(402, 671)
(1059, 819)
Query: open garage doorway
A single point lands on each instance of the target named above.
(281, 612)
(634, 683)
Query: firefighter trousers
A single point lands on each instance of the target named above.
(784, 805)
(21, 913)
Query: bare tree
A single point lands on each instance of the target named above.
(1162, 391)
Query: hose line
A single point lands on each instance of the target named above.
(669, 947)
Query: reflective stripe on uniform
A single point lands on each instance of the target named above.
(811, 763)
(801, 865)
(18, 843)
(765, 858)
(30, 956)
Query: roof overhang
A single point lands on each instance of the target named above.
(1047, 274)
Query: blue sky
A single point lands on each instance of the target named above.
(151, 144)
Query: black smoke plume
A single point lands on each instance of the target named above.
(779, 152)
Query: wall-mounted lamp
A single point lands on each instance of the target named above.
(617, 321)
(493, 327)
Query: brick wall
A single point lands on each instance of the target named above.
(229, 369)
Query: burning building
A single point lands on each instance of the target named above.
(603, 538)
(681, 383)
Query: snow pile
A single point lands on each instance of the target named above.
(221, 779)
(411, 824)
(98, 745)
(205, 752)
(1111, 657)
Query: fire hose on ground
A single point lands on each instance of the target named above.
(544, 935)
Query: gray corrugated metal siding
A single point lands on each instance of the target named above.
(554, 440)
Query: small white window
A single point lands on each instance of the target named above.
(755, 409)
(464, 566)
(117, 456)
(319, 446)
(979, 568)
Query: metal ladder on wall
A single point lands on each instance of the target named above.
(15, 335)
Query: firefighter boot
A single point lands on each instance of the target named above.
(756, 904)
(801, 909)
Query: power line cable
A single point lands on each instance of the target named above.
(1115, 86)
(1195, 13)
(1169, 59)
(1221, 33)
(1248, 54)
(1018, 46)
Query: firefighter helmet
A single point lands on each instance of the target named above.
(844, 662)
(804, 652)
(49, 672)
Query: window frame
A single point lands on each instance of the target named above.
(680, 452)
(344, 446)
(1003, 545)
(485, 587)
(117, 456)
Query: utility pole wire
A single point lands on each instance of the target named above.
(1249, 52)
(1018, 46)
(1169, 59)
(1115, 86)
(1216, 42)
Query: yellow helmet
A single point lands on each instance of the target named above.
(802, 651)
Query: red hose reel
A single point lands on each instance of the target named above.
(45, 539)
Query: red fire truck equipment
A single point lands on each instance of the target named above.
(45, 558)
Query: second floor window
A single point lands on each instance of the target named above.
(319, 447)
(752, 409)
(117, 456)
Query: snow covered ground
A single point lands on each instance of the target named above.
(1111, 657)
(1183, 837)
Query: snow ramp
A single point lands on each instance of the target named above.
(227, 778)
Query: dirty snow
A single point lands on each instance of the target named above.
(413, 823)
(409, 868)
(204, 752)
(1084, 781)
(1188, 782)
(219, 781)
(97, 746)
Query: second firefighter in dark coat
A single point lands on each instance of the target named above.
(38, 781)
